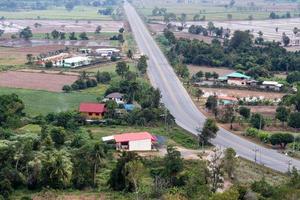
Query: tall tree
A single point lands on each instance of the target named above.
(209, 131)
(282, 114)
(229, 161)
(122, 68)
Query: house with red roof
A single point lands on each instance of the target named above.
(142, 141)
(92, 111)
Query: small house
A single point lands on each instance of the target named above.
(273, 85)
(116, 96)
(107, 52)
(226, 100)
(92, 111)
(142, 141)
(235, 78)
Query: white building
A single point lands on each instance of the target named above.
(142, 141)
(74, 62)
(271, 85)
(116, 96)
(107, 52)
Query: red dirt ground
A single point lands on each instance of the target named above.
(35, 81)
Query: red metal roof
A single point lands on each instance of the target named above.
(126, 137)
(92, 108)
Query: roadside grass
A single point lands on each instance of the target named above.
(247, 172)
(109, 67)
(59, 13)
(176, 135)
(42, 102)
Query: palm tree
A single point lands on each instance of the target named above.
(133, 87)
(97, 156)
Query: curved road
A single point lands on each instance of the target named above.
(187, 115)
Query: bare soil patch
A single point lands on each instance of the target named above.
(36, 81)
(219, 70)
(241, 93)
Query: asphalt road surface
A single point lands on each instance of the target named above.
(187, 115)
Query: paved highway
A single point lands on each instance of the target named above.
(177, 100)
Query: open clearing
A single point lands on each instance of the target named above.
(219, 70)
(13, 26)
(35, 81)
(241, 93)
(79, 13)
(39, 102)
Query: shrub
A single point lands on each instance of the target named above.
(245, 112)
(257, 121)
(67, 88)
(294, 120)
(252, 132)
(263, 136)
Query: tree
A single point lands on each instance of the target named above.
(121, 30)
(282, 114)
(30, 58)
(117, 179)
(129, 54)
(199, 94)
(281, 139)
(285, 39)
(57, 170)
(182, 70)
(294, 120)
(245, 112)
(111, 107)
(103, 77)
(58, 136)
(207, 75)
(98, 29)
(83, 36)
(62, 35)
(295, 30)
(73, 36)
(97, 156)
(293, 77)
(11, 109)
(26, 33)
(212, 104)
(241, 39)
(208, 132)
(173, 164)
(67, 88)
(183, 19)
(55, 34)
(257, 121)
(121, 38)
(262, 187)
(229, 161)
(122, 68)
(142, 64)
(135, 171)
(216, 171)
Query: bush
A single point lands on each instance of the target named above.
(245, 112)
(252, 132)
(294, 120)
(257, 121)
(263, 136)
(67, 88)
(103, 77)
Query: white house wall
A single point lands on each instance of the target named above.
(140, 145)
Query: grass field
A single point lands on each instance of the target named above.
(42, 102)
(79, 13)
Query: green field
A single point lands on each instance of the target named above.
(79, 12)
(42, 102)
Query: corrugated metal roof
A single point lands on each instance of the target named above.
(92, 108)
(126, 137)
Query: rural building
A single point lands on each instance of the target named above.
(107, 52)
(85, 51)
(56, 60)
(226, 100)
(235, 78)
(116, 96)
(142, 141)
(74, 62)
(92, 111)
(273, 85)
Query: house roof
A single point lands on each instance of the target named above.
(227, 98)
(115, 95)
(126, 137)
(234, 75)
(92, 108)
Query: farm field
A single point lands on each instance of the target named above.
(266, 26)
(43, 102)
(35, 81)
(219, 70)
(79, 13)
(13, 26)
(213, 10)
